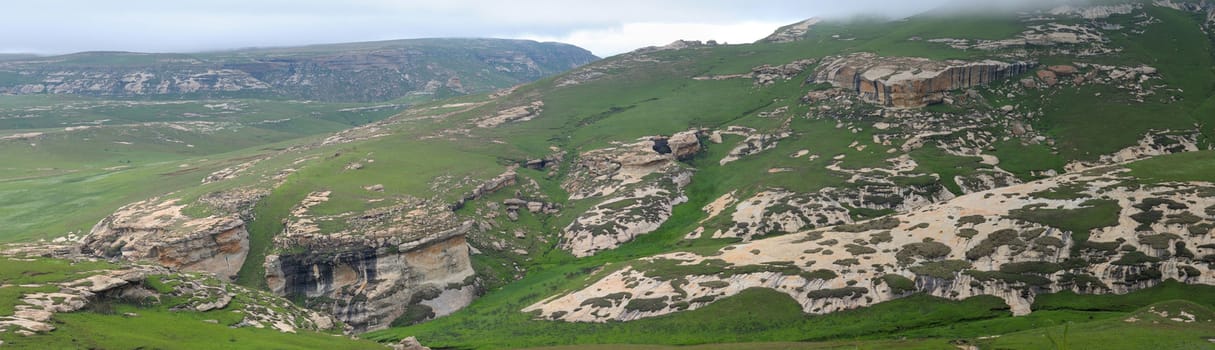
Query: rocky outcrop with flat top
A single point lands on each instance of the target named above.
(909, 82)
(157, 230)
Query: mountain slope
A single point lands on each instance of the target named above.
(378, 71)
(945, 173)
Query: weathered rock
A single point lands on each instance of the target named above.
(907, 82)
(684, 145)
(490, 186)
(983, 240)
(1062, 70)
(157, 231)
(1048, 77)
(637, 185)
(793, 32)
(535, 207)
(514, 114)
(374, 281)
(409, 343)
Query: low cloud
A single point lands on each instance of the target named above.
(630, 36)
(62, 26)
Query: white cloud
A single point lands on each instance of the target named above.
(630, 36)
(605, 27)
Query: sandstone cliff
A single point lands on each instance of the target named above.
(399, 264)
(906, 82)
(370, 287)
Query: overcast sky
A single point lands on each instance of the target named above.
(604, 27)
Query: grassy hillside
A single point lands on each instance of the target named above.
(756, 136)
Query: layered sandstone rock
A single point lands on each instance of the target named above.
(156, 230)
(407, 259)
(188, 293)
(908, 82)
(368, 286)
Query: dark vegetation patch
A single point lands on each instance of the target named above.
(988, 246)
(945, 269)
(927, 250)
(885, 223)
(846, 292)
(898, 284)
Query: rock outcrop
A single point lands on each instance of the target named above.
(792, 32)
(1010, 242)
(188, 293)
(907, 82)
(370, 287)
(402, 264)
(156, 230)
(637, 185)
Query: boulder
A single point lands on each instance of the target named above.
(1048, 77)
(1029, 83)
(535, 207)
(409, 343)
(684, 145)
(1062, 70)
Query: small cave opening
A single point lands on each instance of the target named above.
(661, 146)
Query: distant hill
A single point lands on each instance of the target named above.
(368, 71)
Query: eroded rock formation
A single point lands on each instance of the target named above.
(403, 263)
(1003, 242)
(907, 82)
(638, 184)
(157, 230)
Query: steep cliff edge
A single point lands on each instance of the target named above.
(402, 264)
(370, 287)
(907, 82)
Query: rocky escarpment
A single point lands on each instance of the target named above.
(1094, 232)
(150, 284)
(376, 70)
(906, 82)
(637, 186)
(401, 264)
(157, 230)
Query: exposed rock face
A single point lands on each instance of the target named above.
(1094, 12)
(379, 70)
(156, 230)
(368, 287)
(906, 82)
(1152, 144)
(780, 211)
(767, 74)
(514, 114)
(638, 185)
(792, 32)
(986, 243)
(191, 293)
(406, 259)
